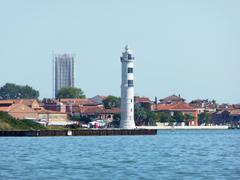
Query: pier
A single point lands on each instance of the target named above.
(87, 132)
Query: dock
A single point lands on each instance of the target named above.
(85, 132)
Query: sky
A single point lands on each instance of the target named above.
(186, 47)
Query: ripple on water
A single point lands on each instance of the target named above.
(169, 155)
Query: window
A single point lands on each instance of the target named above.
(130, 83)
(130, 70)
(130, 56)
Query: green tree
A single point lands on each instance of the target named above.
(144, 117)
(204, 118)
(178, 116)
(111, 102)
(171, 121)
(13, 91)
(85, 119)
(139, 115)
(116, 120)
(117, 116)
(70, 92)
(164, 117)
(151, 118)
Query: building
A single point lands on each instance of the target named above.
(32, 103)
(127, 90)
(144, 102)
(230, 117)
(78, 101)
(30, 109)
(98, 99)
(63, 72)
(19, 110)
(172, 99)
(98, 113)
(53, 105)
(53, 117)
(74, 105)
(180, 107)
(204, 105)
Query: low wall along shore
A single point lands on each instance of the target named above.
(87, 132)
(184, 127)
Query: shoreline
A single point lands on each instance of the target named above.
(184, 127)
(140, 130)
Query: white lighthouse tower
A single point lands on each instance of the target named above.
(127, 90)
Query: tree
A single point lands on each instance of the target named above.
(164, 117)
(117, 116)
(13, 91)
(116, 120)
(70, 92)
(204, 118)
(144, 117)
(214, 101)
(178, 116)
(85, 119)
(151, 118)
(111, 102)
(139, 114)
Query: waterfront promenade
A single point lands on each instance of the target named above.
(185, 127)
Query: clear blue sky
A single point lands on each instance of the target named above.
(187, 47)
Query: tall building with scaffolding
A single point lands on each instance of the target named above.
(63, 72)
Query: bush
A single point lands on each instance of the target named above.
(7, 122)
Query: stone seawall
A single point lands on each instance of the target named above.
(87, 132)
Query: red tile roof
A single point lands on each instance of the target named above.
(45, 111)
(235, 112)
(24, 108)
(27, 102)
(10, 101)
(180, 106)
(177, 107)
(142, 100)
(4, 109)
(98, 110)
(78, 101)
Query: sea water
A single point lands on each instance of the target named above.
(173, 154)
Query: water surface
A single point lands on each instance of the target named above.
(177, 154)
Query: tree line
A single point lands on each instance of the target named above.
(14, 91)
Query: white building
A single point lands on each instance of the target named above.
(127, 90)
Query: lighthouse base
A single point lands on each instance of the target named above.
(127, 124)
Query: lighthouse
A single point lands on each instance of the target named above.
(127, 90)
